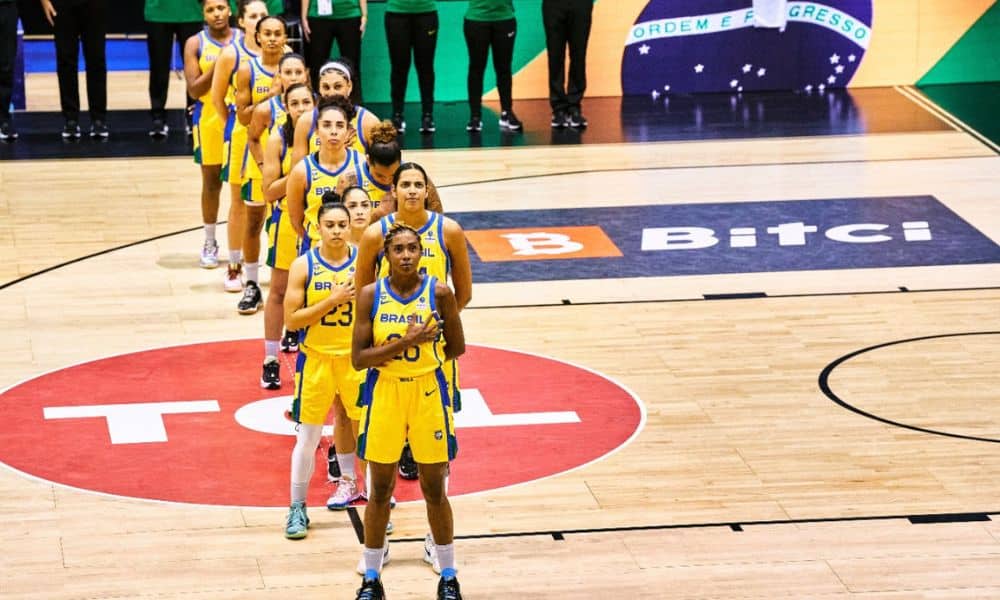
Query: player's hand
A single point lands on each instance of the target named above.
(342, 292)
(306, 32)
(50, 12)
(418, 333)
(275, 87)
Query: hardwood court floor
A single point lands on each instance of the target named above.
(746, 481)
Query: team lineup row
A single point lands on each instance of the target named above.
(360, 257)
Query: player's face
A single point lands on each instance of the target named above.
(334, 228)
(404, 253)
(360, 207)
(271, 36)
(382, 173)
(216, 14)
(410, 190)
(332, 128)
(332, 83)
(292, 71)
(299, 102)
(255, 11)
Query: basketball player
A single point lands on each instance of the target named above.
(397, 337)
(234, 134)
(320, 301)
(201, 52)
(283, 242)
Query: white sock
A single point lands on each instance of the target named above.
(251, 270)
(304, 459)
(209, 232)
(346, 462)
(373, 559)
(446, 556)
(235, 257)
(271, 348)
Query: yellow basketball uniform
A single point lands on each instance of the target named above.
(359, 143)
(260, 90)
(318, 182)
(235, 135)
(407, 397)
(283, 242)
(376, 191)
(323, 369)
(206, 125)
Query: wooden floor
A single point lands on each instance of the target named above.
(746, 480)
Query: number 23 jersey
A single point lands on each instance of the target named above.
(332, 334)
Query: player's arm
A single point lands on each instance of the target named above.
(386, 207)
(364, 353)
(295, 198)
(244, 95)
(371, 241)
(220, 80)
(461, 268)
(271, 178)
(261, 117)
(345, 181)
(433, 201)
(198, 83)
(300, 147)
(454, 334)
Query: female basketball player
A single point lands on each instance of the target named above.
(284, 243)
(201, 52)
(224, 100)
(398, 338)
(320, 300)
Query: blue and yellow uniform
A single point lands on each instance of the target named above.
(206, 125)
(235, 135)
(318, 182)
(408, 396)
(323, 369)
(376, 191)
(283, 242)
(359, 143)
(260, 91)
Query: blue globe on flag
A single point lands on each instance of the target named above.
(688, 46)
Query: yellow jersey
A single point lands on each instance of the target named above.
(332, 334)
(208, 52)
(318, 182)
(435, 260)
(286, 156)
(391, 315)
(360, 143)
(260, 91)
(376, 191)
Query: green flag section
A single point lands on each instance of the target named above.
(974, 57)
(975, 104)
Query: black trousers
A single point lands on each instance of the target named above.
(347, 33)
(416, 33)
(567, 24)
(8, 54)
(159, 43)
(83, 21)
(480, 37)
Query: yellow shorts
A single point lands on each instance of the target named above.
(234, 147)
(318, 379)
(283, 243)
(253, 192)
(414, 407)
(207, 134)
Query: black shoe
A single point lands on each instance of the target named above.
(448, 589)
(371, 589)
(71, 131)
(475, 124)
(270, 379)
(159, 129)
(508, 120)
(427, 123)
(7, 132)
(407, 466)
(559, 119)
(99, 129)
(290, 341)
(576, 118)
(332, 466)
(252, 299)
(399, 122)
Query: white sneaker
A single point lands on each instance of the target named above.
(385, 559)
(234, 279)
(346, 493)
(431, 553)
(210, 255)
(389, 528)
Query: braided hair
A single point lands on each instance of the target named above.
(394, 230)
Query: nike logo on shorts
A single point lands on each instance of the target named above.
(430, 392)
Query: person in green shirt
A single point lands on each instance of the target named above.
(491, 24)
(411, 26)
(324, 21)
(167, 20)
(8, 54)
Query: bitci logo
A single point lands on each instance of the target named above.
(191, 424)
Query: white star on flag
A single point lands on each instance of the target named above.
(834, 59)
(822, 87)
(699, 68)
(761, 71)
(739, 89)
(839, 69)
(831, 79)
(747, 67)
(666, 88)
(655, 94)
(644, 49)
(809, 88)
(733, 83)
(852, 58)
